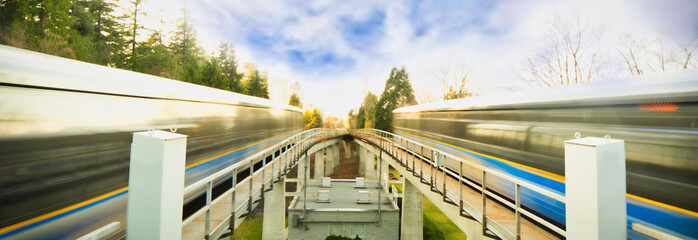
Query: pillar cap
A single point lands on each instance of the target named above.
(592, 141)
(161, 135)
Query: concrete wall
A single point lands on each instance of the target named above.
(386, 229)
(274, 212)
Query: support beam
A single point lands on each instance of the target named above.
(302, 172)
(347, 152)
(156, 185)
(386, 169)
(370, 166)
(361, 157)
(335, 152)
(319, 164)
(411, 212)
(329, 161)
(274, 215)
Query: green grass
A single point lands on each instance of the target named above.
(250, 229)
(395, 173)
(440, 221)
(398, 187)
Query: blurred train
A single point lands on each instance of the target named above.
(523, 134)
(66, 129)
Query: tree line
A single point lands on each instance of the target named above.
(92, 31)
(377, 111)
(311, 119)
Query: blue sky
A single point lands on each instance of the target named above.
(338, 50)
(325, 38)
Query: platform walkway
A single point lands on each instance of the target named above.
(467, 215)
(214, 221)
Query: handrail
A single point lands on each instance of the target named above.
(295, 147)
(392, 146)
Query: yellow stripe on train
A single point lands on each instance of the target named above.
(560, 178)
(106, 195)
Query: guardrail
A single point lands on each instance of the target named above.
(290, 150)
(404, 149)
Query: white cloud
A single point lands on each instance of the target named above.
(491, 40)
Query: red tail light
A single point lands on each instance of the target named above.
(658, 107)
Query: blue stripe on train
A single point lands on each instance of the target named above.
(189, 176)
(675, 223)
(39, 223)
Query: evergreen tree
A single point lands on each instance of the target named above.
(190, 71)
(398, 92)
(155, 58)
(212, 76)
(361, 118)
(133, 60)
(295, 101)
(38, 25)
(100, 38)
(257, 85)
(368, 106)
(183, 42)
(229, 68)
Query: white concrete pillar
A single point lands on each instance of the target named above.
(274, 212)
(386, 169)
(319, 164)
(329, 162)
(370, 167)
(302, 172)
(335, 152)
(595, 189)
(360, 154)
(367, 163)
(347, 151)
(156, 185)
(411, 212)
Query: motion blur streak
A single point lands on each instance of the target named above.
(523, 134)
(66, 129)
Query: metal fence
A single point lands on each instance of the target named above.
(414, 155)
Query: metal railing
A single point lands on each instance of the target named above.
(405, 149)
(289, 151)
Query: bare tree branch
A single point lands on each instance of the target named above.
(568, 57)
(455, 80)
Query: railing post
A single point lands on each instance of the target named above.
(518, 214)
(207, 226)
(273, 168)
(460, 187)
(231, 227)
(431, 168)
(156, 185)
(484, 201)
(264, 173)
(443, 169)
(421, 166)
(249, 200)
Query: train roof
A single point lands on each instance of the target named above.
(676, 87)
(26, 68)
